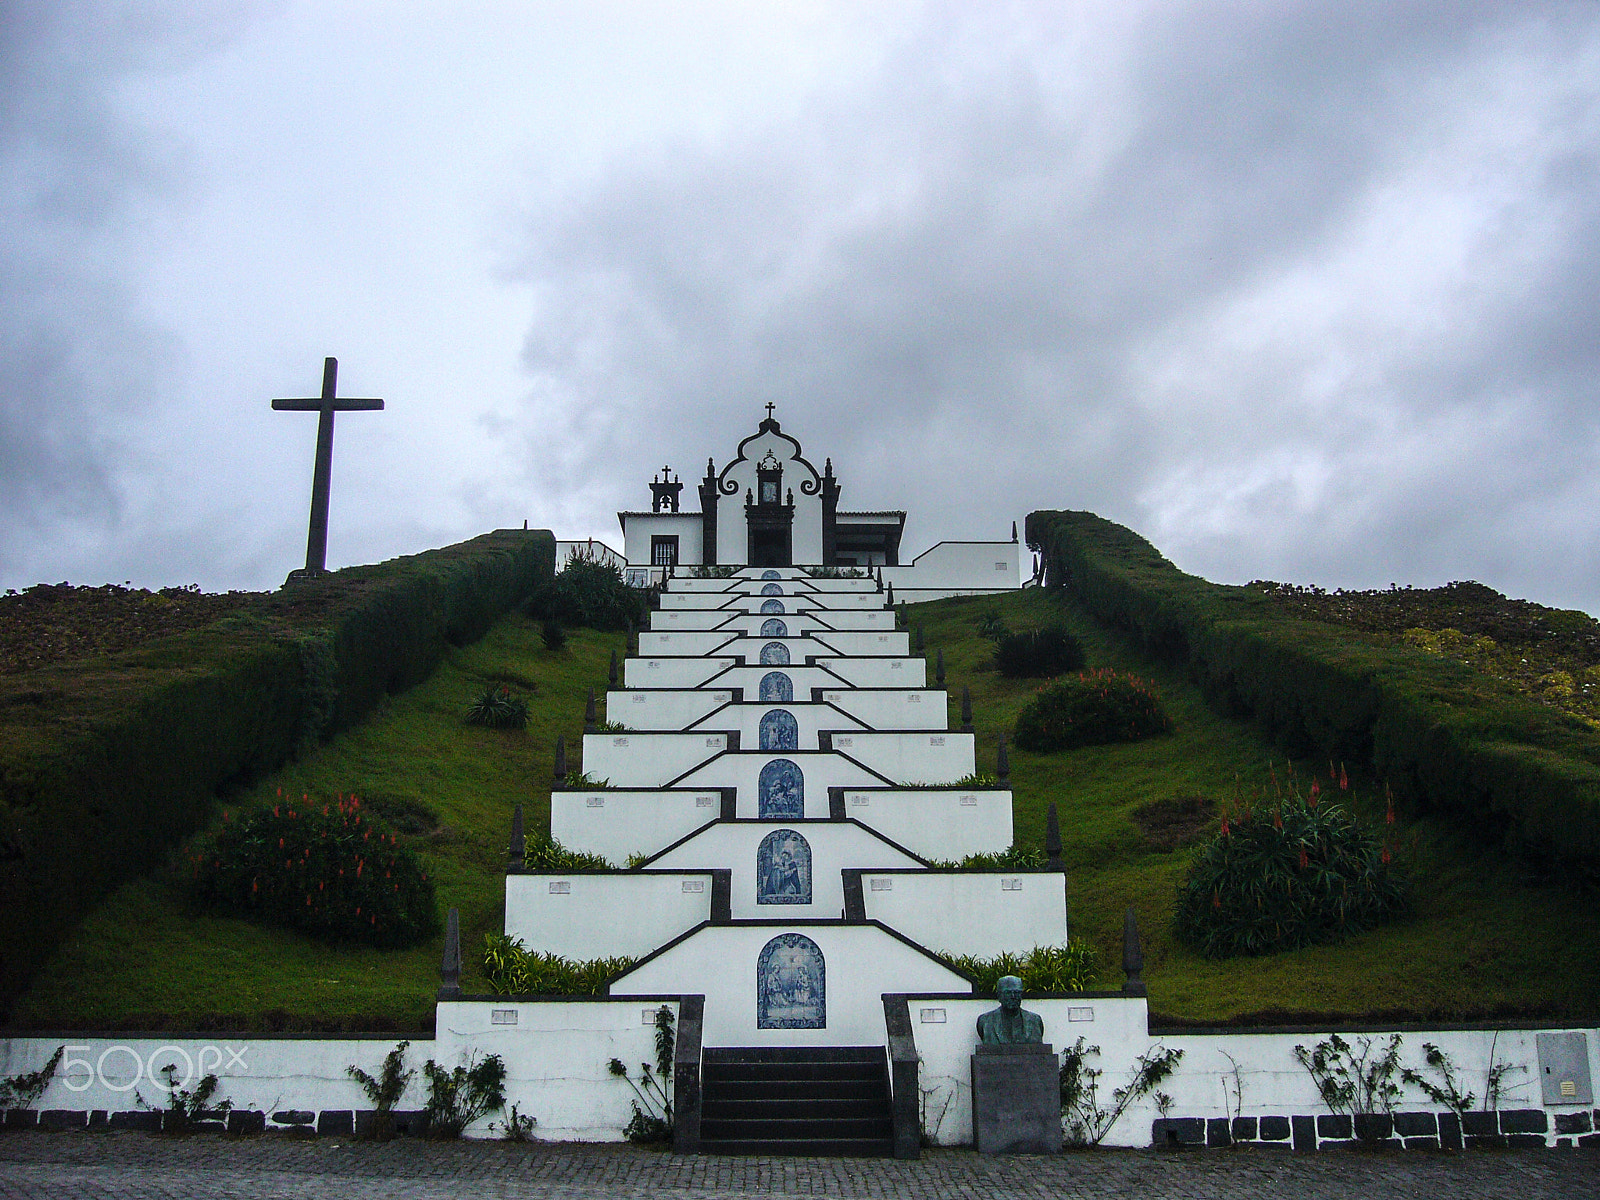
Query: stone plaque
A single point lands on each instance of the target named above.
(1016, 1100)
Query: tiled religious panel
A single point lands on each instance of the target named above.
(774, 654)
(772, 606)
(774, 628)
(771, 589)
(781, 790)
(783, 869)
(779, 731)
(791, 984)
(776, 688)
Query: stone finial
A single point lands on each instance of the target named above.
(450, 967)
(612, 674)
(902, 619)
(879, 575)
(1013, 532)
(1052, 840)
(628, 643)
(1132, 956)
(918, 642)
(561, 759)
(938, 667)
(1002, 763)
(590, 714)
(889, 602)
(519, 843)
(966, 709)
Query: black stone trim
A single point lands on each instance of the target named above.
(903, 1082)
(721, 895)
(686, 1075)
(836, 804)
(1178, 1131)
(855, 905)
(1305, 1134)
(730, 803)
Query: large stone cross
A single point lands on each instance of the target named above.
(326, 405)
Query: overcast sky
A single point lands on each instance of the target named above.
(1297, 291)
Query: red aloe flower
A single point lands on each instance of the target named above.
(1224, 826)
(1304, 862)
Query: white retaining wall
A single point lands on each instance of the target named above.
(586, 916)
(893, 708)
(615, 823)
(942, 824)
(966, 912)
(647, 758)
(818, 769)
(665, 709)
(909, 758)
(855, 959)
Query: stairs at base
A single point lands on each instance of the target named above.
(796, 1100)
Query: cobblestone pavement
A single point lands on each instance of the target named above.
(122, 1164)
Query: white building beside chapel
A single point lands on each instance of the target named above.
(770, 507)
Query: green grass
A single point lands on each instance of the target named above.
(1485, 940)
(140, 962)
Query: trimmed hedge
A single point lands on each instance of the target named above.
(1444, 736)
(107, 763)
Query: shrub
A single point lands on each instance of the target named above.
(652, 1104)
(1090, 709)
(498, 708)
(541, 852)
(1012, 858)
(589, 594)
(1069, 968)
(385, 1090)
(332, 873)
(1038, 653)
(510, 969)
(552, 634)
(1290, 874)
(458, 1097)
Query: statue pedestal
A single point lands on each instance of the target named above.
(1016, 1100)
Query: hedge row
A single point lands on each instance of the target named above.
(105, 764)
(1442, 735)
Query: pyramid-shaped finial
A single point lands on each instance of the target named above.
(966, 709)
(1002, 763)
(518, 853)
(889, 601)
(612, 675)
(1132, 956)
(1052, 840)
(938, 667)
(918, 643)
(450, 967)
(590, 714)
(561, 759)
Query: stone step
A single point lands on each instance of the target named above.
(805, 1147)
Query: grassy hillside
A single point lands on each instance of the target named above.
(1487, 938)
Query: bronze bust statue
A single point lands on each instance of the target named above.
(1010, 1024)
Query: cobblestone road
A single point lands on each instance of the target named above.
(61, 1165)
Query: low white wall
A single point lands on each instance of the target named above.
(877, 672)
(647, 758)
(665, 709)
(943, 824)
(589, 550)
(877, 620)
(614, 823)
(860, 961)
(844, 642)
(672, 672)
(834, 846)
(556, 1057)
(893, 708)
(586, 916)
(945, 1030)
(803, 677)
(257, 1073)
(911, 757)
(965, 912)
(653, 644)
(960, 568)
(742, 771)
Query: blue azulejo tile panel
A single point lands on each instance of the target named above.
(770, 575)
(774, 628)
(771, 589)
(780, 731)
(774, 654)
(781, 790)
(791, 984)
(775, 688)
(783, 869)
(772, 606)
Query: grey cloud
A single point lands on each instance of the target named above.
(971, 267)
